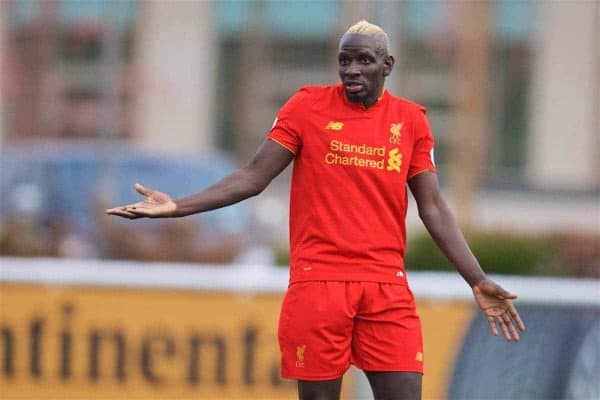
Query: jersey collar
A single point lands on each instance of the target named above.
(361, 106)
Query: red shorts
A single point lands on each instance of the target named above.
(326, 325)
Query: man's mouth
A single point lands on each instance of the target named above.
(353, 87)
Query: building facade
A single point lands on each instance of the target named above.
(190, 77)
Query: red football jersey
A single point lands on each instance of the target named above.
(348, 194)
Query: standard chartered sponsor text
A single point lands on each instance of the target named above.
(336, 147)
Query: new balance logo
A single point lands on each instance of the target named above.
(334, 126)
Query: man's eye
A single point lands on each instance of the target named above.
(365, 60)
(344, 62)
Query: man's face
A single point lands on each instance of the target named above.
(362, 69)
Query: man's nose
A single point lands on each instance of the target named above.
(353, 69)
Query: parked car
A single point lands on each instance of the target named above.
(58, 192)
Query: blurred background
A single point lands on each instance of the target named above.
(99, 94)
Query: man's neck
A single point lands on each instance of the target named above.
(370, 102)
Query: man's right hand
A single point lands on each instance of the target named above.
(496, 304)
(155, 205)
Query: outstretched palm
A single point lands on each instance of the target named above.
(155, 205)
(496, 303)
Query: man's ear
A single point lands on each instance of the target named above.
(388, 65)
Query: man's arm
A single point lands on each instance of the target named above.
(246, 182)
(440, 223)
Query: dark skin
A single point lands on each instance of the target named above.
(363, 66)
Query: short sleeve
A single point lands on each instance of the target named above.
(422, 156)
(286, 129)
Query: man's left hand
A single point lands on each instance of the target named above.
(496, 303)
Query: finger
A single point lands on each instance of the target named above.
(123, 211)
(504, 328)
(122, 207)
(511, 327)
(113, 211)
(116, 210)
(139, 206)
(515, 316)
(144, 191)
(493, 326)
(141, 211)
(503, 294)
(132, 215)
(124, 214)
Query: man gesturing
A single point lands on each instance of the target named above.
(355, 147)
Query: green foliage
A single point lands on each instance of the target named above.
(282, 256)
(557, 254)
(497, 253)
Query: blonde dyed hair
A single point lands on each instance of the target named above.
(374, 31)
